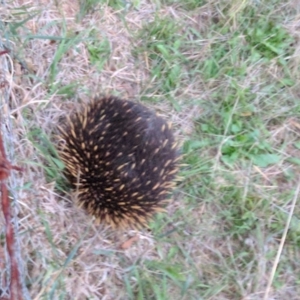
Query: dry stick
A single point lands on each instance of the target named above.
(5, 168)
(283, 238)
(10, 242)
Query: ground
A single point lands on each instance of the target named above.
(226, 73)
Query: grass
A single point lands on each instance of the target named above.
(225, 73)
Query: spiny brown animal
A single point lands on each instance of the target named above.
(122, 159)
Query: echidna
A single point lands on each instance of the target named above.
(122, 159)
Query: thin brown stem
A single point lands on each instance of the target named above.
(5, 168)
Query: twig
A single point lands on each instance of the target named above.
(283, 238)
(5, 168)
(4, 52)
